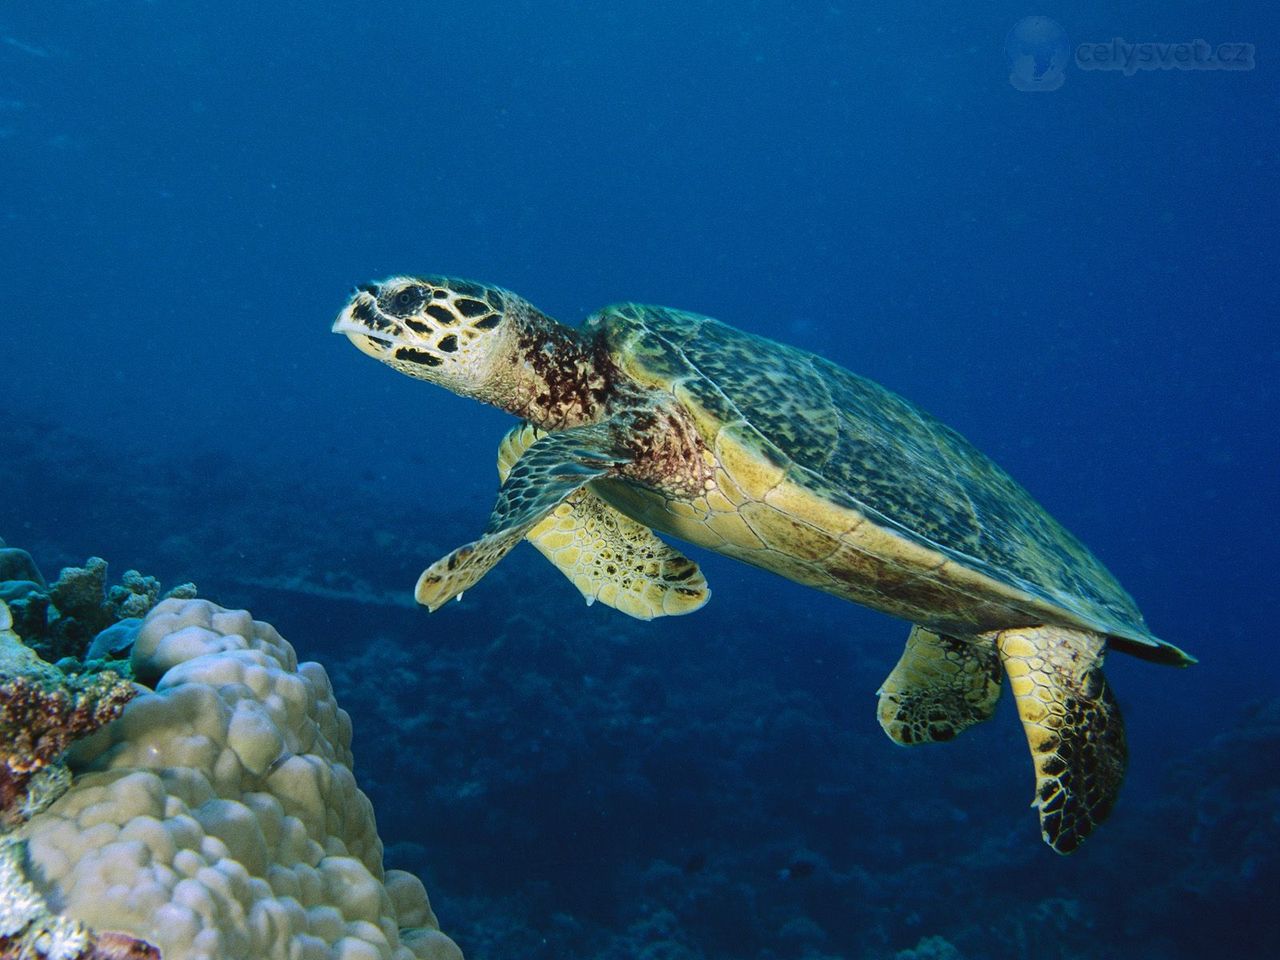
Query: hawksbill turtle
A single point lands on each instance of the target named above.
(652, 419)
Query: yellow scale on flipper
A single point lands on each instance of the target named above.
(608, 556)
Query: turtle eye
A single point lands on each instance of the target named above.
(408, 300)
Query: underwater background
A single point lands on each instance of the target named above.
(1074, 267)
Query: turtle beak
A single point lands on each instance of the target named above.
(368, 328)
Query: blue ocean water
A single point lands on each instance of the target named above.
(1073, 266)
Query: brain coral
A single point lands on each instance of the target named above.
(218, 817)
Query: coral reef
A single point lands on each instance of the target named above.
(61, 620)
(112, 642)
(17, 566)
(42, 711)
(29, 930)
(218, 815)
(207, 810)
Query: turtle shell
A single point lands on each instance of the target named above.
(843, 452)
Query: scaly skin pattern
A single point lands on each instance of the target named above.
(607, 555)
(547, 474)
(1073, 727)
(940, 687)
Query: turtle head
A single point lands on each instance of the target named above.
(451, 332)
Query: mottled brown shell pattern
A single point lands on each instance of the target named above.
(832, 451)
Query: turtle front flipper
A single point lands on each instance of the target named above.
(551, 469)
(940, 687)
(605, 554)
(1073, 726)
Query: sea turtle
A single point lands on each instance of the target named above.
(648, 418)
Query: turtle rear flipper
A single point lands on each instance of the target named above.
(605, 554)
(940, 687)
(553, 468)
(1073, 727)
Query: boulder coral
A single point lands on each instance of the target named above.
(218, 815)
